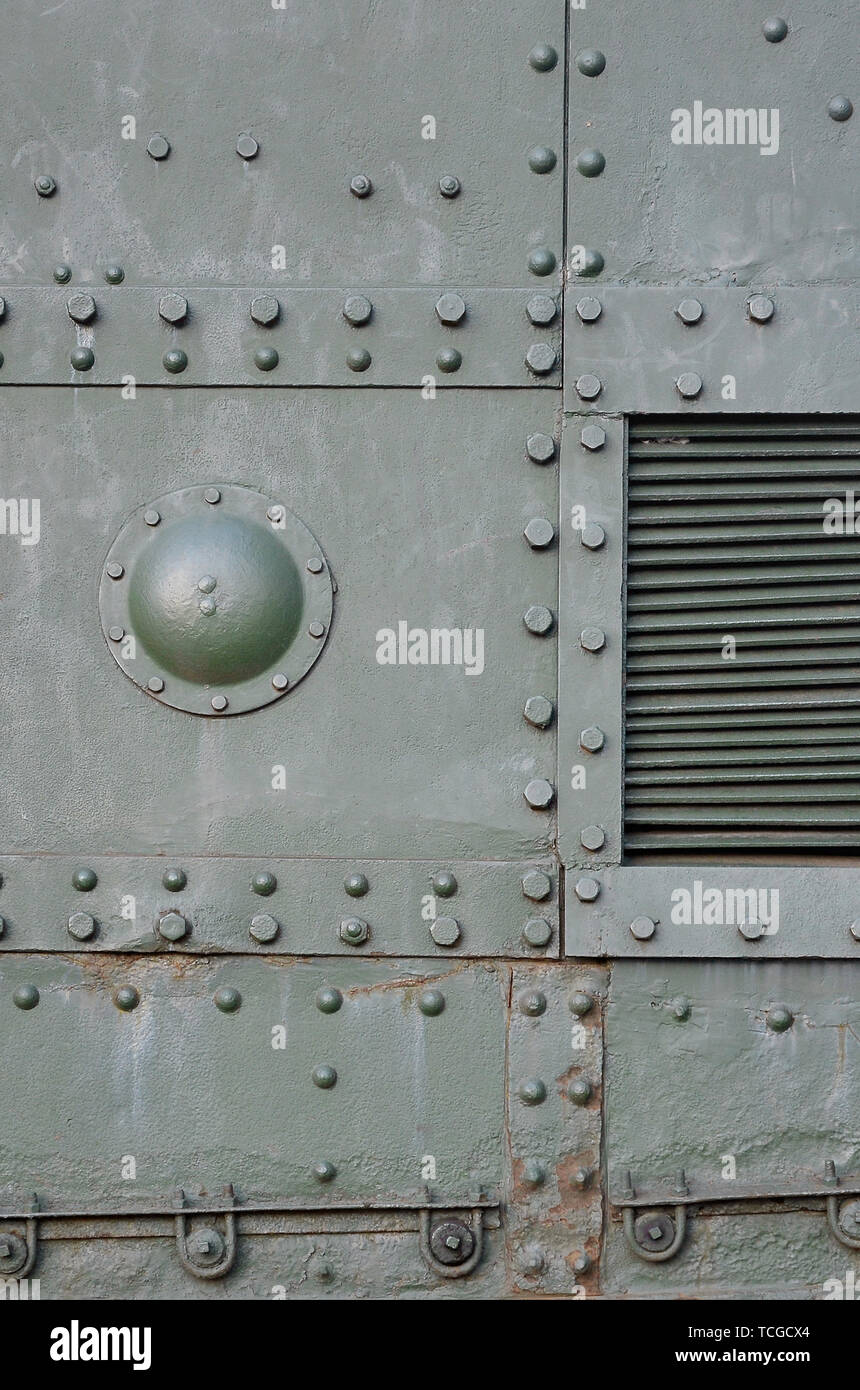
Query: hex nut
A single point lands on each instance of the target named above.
(450, 308)
(592, 437)
(538, 619)
(265, 309)
(537, 886)
(539, 793)
(539, 532)
(172, 926)
(81, 308)
(354, 931)
(537, 932)
(540, 448)
(760, 308)
(541, 310)
(173, 308)
(541, 358)
(264, 927)
(445, 931)
(538, 711)
(81, 926)
(643, 928)
(591, 740)
(588, 387)
(589, 309)
(587, 889)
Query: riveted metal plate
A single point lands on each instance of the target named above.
(709, 1092)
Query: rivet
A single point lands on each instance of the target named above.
(840, 109)
(81, 308)
(316, 630)
(45, 186)
(760, 308)
(855, 930)
(532, 1092)
(541, 309)
(324, 1076)
(450, 308)
(265, 310)
(354, 931)
(531, 1261)
(444, 884)
(582, 1264)
(172, 926)
(542, 261)
(218, 702)
(84, 880)
(779, 1018)
(449, 360)
(542, 160)
(82, 359)
(264, 927)
(155, 684)
(590, 163)
(126, 998)
(266, 358)
(431, 1002)
(534, 1172)
(592, 536)
(360, 186)
(579, 1091)
(592, 264)
(536, 885)
(174, 361)
(586, 889)
(324, 1172)
(358, 359)
(445, 931)
(280, 681)
(689, 385)
(681, 1008)
(62, 274)
(114, 571)
(590, 62)
(357, 310)
(541, 358)
(538, 619)
(116, 634)
(158, 147)
(227, 999)
(592, 837)
(212, 496)
(539, 532)
(314, 565)
(581, 1177)
(206, 583)
(588, 387)
(81, 926)
(114, 274)
(580, 1003)
(592, 639)
(689, 311)
(25, 997)
(543, 57)
(532, 1002)
(589, 309)
(539, 794)
(538, 711)
(246, 146)
(449, 186)
(173, 308)
(540, 448)
(592, 739)
(174, 880)
(643, 928)
(328, 999)
(152, 517)
(592, 437)
(751, 931)
(537, 932)
(774, 29)
(356, 885)
(264, 883)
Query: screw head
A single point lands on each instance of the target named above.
(264, 883)
(592, 639)
(590, 163)
(324, 1171)
(588, 387)
(539, 794)
(580, 1003)
(592, 536)
(539, 532)
(532, 1091)
(542, 160)
(358, 359)
(354, 931)
(542, 261)
(81, 308)
(840, 109)
(445, 931)
(356, 885)
(774, 29)
(266, 359)
(357, 310)
(81, 926)
(586, 889)
(543, 57)
(591, 740)
(449, 186)
(324, 1076)
(25, 997)
(360, 186)
(45, 186)
(444, 884)
(126, 998)
(589, 309)
(328, 999)
(760, 308)
(537, 932)
(579, 1091)
(590, 62)
(541, 358)
(536, 885)
(538, 619)
(450, 308)
(158, 147)
(173, 308)
(174, 361)
(227, 999)
(592, 838)
(689, 385)
(62, 274)
(542, 309)
(265, 309)
(114, 274)
(532, 1002)
(592, 437)
(431, 1002)
(172, 926)
(690, 311)
(263, 928)
(449, 360)
(84, 880)
(779, 1018)
(82, 359)
(643, 928)
(246, 146)
(538, 711)
(540, 448)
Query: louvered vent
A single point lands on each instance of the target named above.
(759, 754)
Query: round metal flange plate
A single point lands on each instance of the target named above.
(215, 600)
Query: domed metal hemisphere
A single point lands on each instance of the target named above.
(226, 595)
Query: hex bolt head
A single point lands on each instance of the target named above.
(328, 999)
(45, 186)
(84, 880)
(689, 385)
(541, 159)
(840, 109)
(592, 437)
(357, 310)
(172, 926)
(587, 889)
(540, 448)
(579, 1091)
(536, 885)
(592, 739)
(590, 62)
(542, 261)
(81, 926)
(592, 838)
(588, 387)
(324, 1171)
(589, 309)
(246, 146)
(751, 931)
(779, 1018)
(592, 639)
(541, 359)
(760, 308)
(174, 880)
(592, 536)
(354, 931)
(543, 57)
(265, 309)
(126, 998)
(264, 927)
(175, 361)
(774, 29)
(539, 532)
(173, 308)
(689, 311)
(534, 1172)
(450, 308)
(449, 186)
(643, 928)
(227, 999)
(431, 1002)
(25, 997)
(542, 310)
(532, 1091)
(532, 1003)
(537, 932)
(539, 793)
(158, 147)
(590, 163)
(580, 1003)
(538, 619)
(356, 885)
(444, 884)
(538, 711)
(264, 883)
(324, 1076)
(445, 931)
(360, 186)
(81, 308)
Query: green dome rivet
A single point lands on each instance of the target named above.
(532, 1092)
(126, 998)
(444, 884)
(542, 159)
(175, 360)
(82, 359)
(590, 163)
(779, 1018)
(542, 261)
(356, 885)
(358, 359)
(324, 1077)
(543, 57)
(264, 883)
(266, 358)
(227, 999)
(328, 999)
(84, 880)
(533, 1003)
(325, 1171)
(774, 29)
(25, 997)
(590, 62)
(579, 1091)
(431, 1002)
(449, 360)
(114, 274)
(592, 264)
(580, 1004)
(175, 880)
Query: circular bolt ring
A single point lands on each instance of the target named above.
(835, 1217)
(473, 1233)
(188, 1261)
(28, 1250)
(677, 1222)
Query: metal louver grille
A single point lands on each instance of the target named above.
(726, 543)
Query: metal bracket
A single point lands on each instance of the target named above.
(212, 1254)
